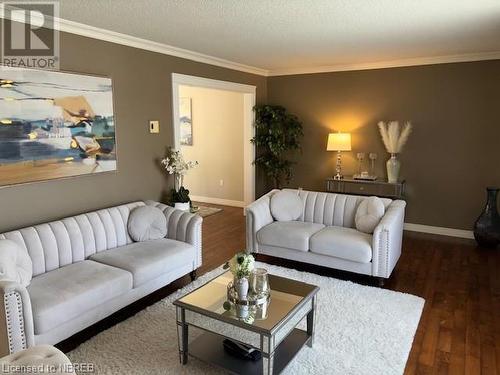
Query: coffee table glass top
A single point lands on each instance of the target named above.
(286, 295)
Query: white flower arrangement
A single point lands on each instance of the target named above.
(241, 265)
(394, 136)
(175, 164)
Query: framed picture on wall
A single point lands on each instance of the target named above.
(186, 121)
(54, 125)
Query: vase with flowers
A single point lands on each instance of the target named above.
(394, 137)
(241, 266)
(175, 165)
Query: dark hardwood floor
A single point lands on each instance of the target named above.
(459, 331)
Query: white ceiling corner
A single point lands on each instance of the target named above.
(282, 37)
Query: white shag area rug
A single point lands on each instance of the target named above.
(359, 330)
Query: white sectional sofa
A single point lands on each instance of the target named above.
(86, 267)
(325, 233)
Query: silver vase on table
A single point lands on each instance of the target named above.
(241, 287)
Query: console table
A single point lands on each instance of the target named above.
(380, 188)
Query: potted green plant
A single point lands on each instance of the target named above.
(277, 136)
(181, 199)
(175, 165)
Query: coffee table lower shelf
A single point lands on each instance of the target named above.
(208, 348)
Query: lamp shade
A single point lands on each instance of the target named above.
(339, 142)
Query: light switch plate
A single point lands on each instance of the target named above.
(154, 126)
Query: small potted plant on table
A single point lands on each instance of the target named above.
(241, 266)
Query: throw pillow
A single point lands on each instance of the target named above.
(369, 213)
(147, 223)
(15, 263)
(286, 206)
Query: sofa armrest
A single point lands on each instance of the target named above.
(388, 240)
(42, 359)
(258, 215)
(183, 226)
(16, 319)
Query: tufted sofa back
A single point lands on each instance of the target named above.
(330, 208)
(73, 239)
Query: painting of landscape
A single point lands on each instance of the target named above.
(54, 125)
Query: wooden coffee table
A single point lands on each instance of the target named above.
(273, 331)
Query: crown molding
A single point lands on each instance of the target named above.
(469, 57)
(81, 29)
(132, 41)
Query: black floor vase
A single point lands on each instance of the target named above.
(487, 227)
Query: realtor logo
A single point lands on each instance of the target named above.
(30, 36)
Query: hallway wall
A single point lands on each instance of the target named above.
(217, 118)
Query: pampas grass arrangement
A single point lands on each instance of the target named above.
(394, 136)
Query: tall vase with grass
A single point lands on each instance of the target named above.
(394, 137)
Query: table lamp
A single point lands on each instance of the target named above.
(339, 142)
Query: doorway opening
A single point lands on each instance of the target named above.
(213, 124)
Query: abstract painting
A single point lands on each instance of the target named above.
(54, 125)
(186, 121)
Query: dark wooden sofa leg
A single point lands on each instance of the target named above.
(381, 281)
(193, 275)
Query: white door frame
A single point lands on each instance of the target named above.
(248, 92)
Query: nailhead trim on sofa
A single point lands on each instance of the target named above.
(8, 300)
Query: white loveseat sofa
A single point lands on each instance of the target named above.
(325, 233)
(87, 267)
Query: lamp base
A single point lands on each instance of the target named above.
(338, 167)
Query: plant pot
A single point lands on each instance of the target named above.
(241, 287)
(183, 206)
(487, 227)
(393, 167)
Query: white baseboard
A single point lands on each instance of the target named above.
(439, 230)
(223, 202)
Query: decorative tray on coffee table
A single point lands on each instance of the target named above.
(252, 300)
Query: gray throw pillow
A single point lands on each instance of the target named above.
(286, 206)
(147, 223)
(369, 213)
(15, 263)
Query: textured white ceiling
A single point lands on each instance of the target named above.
(295, 34)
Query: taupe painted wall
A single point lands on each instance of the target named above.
(142, 91)
(217, 143)
(453, 153)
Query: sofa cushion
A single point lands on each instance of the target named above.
(344, 243)
(288, 234)
(369, 213)
(15, 263)
(286, 206)
(150, 259)
(147, 223)
(65, 293)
